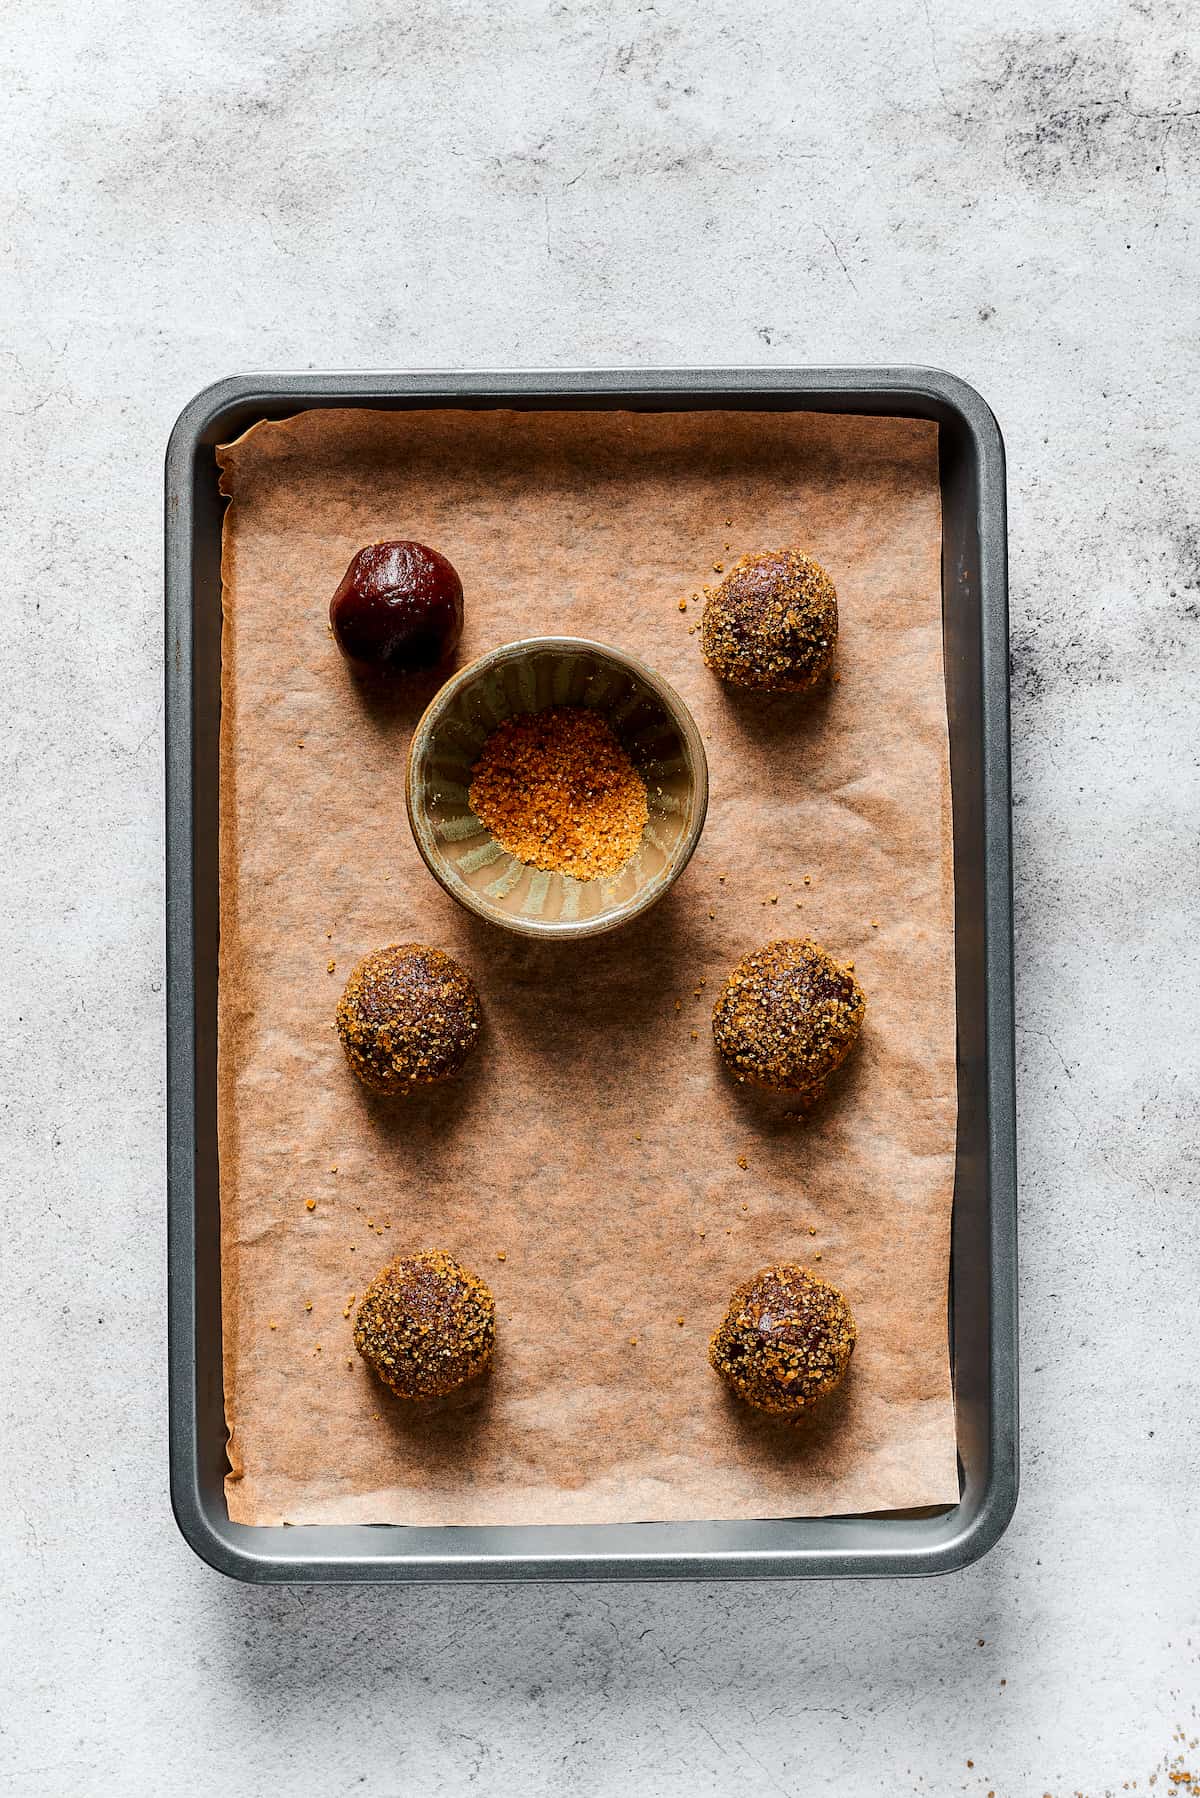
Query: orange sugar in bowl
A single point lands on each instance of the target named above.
(580, 758)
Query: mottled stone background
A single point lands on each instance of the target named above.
(1009, 192)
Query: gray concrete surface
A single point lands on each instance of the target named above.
(1009, 192)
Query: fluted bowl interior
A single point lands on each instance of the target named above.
(647, 717)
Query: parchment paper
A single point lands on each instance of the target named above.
(595, 1140)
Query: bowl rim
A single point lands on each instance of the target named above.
(558, 929)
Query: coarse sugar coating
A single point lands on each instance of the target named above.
(426, 1325)
(772, 623)
(409, 1017)
(557, 790)
(785, 1340)
(787, 1017)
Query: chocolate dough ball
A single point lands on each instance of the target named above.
(409, 1017)
(772, 623)
(398, 609)
(785, 1341)
(426, 1326)
(787, 1017)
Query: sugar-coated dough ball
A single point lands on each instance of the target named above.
(787, 1017)
(426, 1325)
(772, 623)
(785, 1340)
(409, 1017)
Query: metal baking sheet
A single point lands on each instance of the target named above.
(982, 1294)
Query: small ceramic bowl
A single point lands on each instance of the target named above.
(651, 721)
